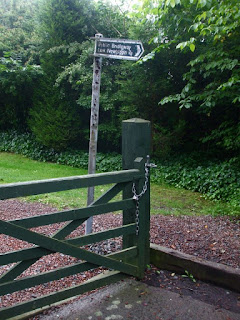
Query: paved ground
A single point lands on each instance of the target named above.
(134, 300)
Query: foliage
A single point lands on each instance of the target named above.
(54, 125)
(77, 77)
(191, 61)
(17, 85)
(25, 144)
(66, 59)
(189, 275)
(216, 180)
(168, 140)
(19, 71)
(17, 28)
(207, 32)
(164, 199)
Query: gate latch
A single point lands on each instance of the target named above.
(150, 165)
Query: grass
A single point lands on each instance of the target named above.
(164, 199)
(167, 200)
(16, 168)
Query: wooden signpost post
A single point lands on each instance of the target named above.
(114, 49)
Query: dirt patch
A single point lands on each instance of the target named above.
(185, 286)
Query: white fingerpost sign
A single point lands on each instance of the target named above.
(119, 49)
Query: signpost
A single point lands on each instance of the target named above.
(118, 49)
(113, 49)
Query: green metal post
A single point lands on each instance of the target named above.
(136, 140)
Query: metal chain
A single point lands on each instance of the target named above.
(136, 196)
(145, 186)
(137, 217)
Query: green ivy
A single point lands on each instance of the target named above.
(215, 180)
(26, 145)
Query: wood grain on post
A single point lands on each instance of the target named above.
(97, 68)
(136, 138)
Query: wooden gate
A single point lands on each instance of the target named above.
(131, 260)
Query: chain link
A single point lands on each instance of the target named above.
(145, 186)
(137, 217)
(136, 196)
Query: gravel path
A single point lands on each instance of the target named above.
(212, 238)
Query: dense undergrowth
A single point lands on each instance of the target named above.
(215, 180)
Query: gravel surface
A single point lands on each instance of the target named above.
(215, 239)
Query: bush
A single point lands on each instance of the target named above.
(217, 181)
(26, 145)
(54, 123)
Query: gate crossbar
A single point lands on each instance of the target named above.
(31, 281)
(56, 245)
(29, 188)
(30, 308)
(19, 228)
(37, 252)
(75, 214)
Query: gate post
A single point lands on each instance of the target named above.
(136, 140)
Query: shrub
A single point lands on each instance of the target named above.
(26, 145)
(54, 123)
(216, 180)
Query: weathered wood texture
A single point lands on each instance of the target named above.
(38, 252)
(33, 254)
(136, 142)
(94, 119)
(63, 272)
(75, 214)
(23, 189)
(143, 236)
(56, 245)
(136, 247)
(172, 260)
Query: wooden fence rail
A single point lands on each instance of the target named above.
(131, 260)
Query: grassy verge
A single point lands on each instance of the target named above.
(16, 168)
(167, 200)
(164, 199)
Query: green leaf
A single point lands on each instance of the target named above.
(172, 3)
(192, 47)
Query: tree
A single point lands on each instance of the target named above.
(62, 26)
(19, 72)
(70, 67)
(208, 33)
(55, 127)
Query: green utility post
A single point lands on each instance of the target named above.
(136, 141)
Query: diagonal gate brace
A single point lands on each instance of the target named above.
(17, 269)
(55, 245)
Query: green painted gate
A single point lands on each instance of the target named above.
(131, 260)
